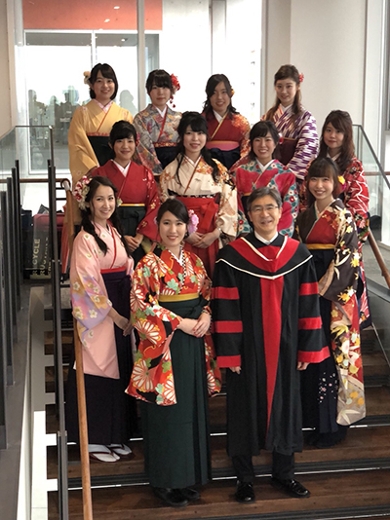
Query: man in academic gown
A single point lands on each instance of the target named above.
(267, 327)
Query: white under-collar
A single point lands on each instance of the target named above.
(263, 167)
(105, 108)
(218, 117)
(161, 112)
(285, 108)
(266, 242)
(121, 169)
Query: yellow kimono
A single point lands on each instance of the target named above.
(91, 124)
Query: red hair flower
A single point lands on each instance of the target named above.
(301, 77)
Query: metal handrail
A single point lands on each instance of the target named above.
(381, 170)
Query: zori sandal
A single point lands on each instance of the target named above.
(101, 453)
(120, 449)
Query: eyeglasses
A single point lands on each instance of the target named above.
(268, 208)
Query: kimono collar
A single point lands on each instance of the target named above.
(161, 112)
(195, 164)
(218, 117)
(334, 158)
(284, 109)
(105, 108)
(263, 240)
(263, 167)
(121, 169)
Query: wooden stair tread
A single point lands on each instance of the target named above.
(361, 444)
(368, 491)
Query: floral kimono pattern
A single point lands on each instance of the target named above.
(90, 301)
(157, 277)
(334, 230)
(155, 131)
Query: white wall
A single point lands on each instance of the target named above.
(185, 44)
(325, 40)
(5, 98)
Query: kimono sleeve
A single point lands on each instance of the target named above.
(307, 147)
(88, 292)
(81, 155)
(148, 226)
(145, 146)
(226, 312)
(287, 187)
(227, 215)
(357, 197)
(245, 146)
(312, 347)
(340, 280)
(153, 322)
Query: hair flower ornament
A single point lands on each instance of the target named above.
(80, 191)
(193, 222)
(341, 180)
(175, 83)
(301, 77)
(119, 202)
(87, 75)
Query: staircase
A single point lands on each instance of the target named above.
(350, 480)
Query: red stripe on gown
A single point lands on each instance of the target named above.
(271, 298)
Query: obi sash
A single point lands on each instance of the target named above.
(226, 152)
(101, 148)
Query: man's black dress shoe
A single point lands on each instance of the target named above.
(171, 496)
(189, 493)
(291, 486)
(244, 492)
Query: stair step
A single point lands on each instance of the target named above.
(336, 496)
(364, 447)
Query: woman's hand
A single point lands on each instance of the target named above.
(302, 366)
(187, 325)
(194, 239)
(202, 325)
(237, 370)
(120, 321)
(208, 239)
(134, 242)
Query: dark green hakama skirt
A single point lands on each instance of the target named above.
(176, 437)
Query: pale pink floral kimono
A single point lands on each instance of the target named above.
(90, 301)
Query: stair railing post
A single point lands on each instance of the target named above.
(81, 399)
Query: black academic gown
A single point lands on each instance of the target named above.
(266, 318)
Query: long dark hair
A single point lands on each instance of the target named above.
(261, 129)
(107, 72)
(86, 214)
(287, 72)
(342, 122)
(197, 123)
(212, 82)
(323, 167)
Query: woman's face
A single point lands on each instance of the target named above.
(220, 99)
(124, 150)
(263, 148)
(193, 142)
(322, 189)
(286, 90)
(104, 88)
(172, 231)
(102, 204)
(333, 139)
(160, 96)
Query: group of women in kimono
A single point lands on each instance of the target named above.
(158, 200)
